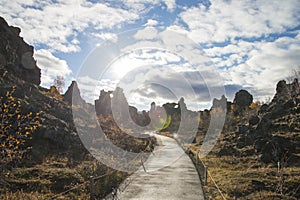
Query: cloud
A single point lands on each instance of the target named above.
(57, 25)
(51, 66)
(257, 66)
(151, 22)
(253, 44)
(143, 6)
(171, 4)
(156, 65)
(226, 20)
(147, 33)
(106, 36)
(90, 88)
(140, 6)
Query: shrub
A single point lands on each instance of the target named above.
(15, 128)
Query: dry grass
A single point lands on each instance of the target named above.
(56, 175)
(235, 177)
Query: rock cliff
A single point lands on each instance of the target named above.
(16, 55)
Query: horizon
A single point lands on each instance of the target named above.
(161, 104)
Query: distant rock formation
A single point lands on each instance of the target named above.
(242, 99)
(286, 92)
(141, 119)
(103, 104)
(72, 95)
(222, 103)
(17, 55)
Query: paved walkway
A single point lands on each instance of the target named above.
(177, 181)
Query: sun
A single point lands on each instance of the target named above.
(124, 65)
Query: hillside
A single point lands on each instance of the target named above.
(257, 154)
(42, 153)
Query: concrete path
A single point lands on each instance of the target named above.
(170, 175)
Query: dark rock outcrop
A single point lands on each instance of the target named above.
(72, 94)
(278, 125)
(286, 92)
(243, 99)
(103, 104)
(16, 55)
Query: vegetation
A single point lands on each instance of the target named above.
(16, 128)
(42, 174)
(59, 83)
(246, 178)
(257, 153)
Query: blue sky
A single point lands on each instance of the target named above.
(222, 46)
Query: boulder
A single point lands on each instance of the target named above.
(243, 99)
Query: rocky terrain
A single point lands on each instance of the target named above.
(257, 154)
(55, 158)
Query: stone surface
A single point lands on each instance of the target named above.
(16, 55)
(243, 99)
(72, 95)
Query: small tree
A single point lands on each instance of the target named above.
(59, 83)
(294, 74)
(15, 128)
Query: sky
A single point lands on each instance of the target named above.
(161, 50)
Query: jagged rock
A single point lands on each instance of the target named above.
(286, 92)
(120, 105)
(103, 104)
(153, 107)
(222, 103)
(182, 104)
(72, 95)
(243, 99)
(16, 55)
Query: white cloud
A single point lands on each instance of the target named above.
(225, 20)
(171, 4)
(106, 36)
(141, 5)
(147, 33)
(90, 88)
(56, 24)
(151, 22)
(51, 66)
(251, 57)
(265, 65)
